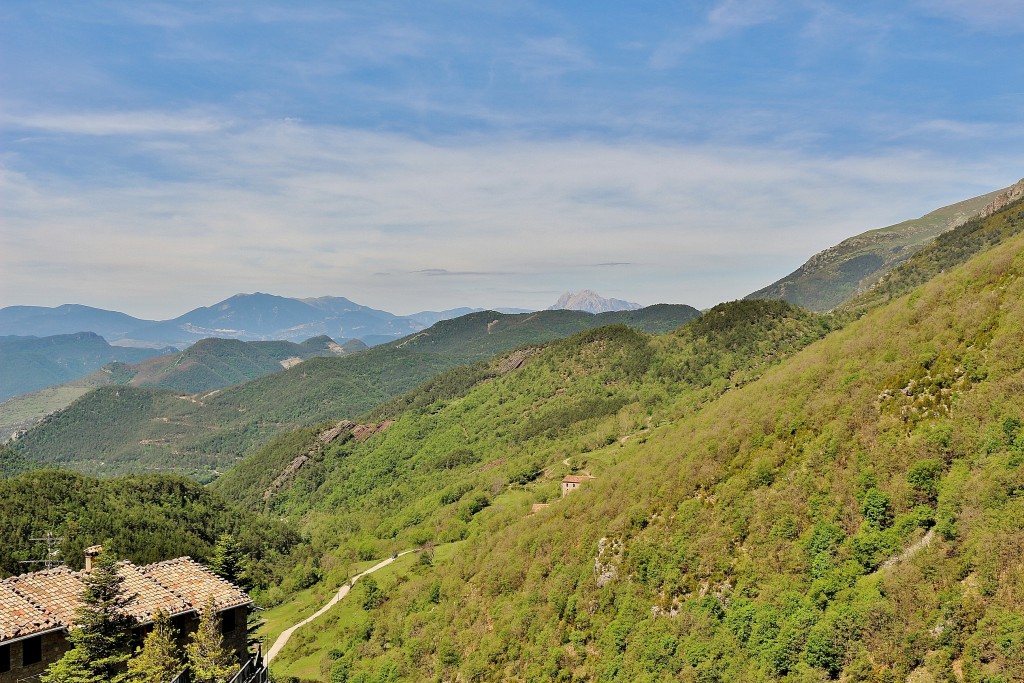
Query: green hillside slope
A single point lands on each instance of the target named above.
(199, 435)
(849, 268)
(856, 513)
(215, 363)
(537, 402)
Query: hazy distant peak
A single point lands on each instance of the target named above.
(591, 302)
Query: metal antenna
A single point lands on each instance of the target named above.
(52, 558)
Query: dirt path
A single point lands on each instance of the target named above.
(282, 639)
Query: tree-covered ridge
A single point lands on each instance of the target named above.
(119, 429)
(486, 439)
(145, 519)
(215, 363)
(834, 276)
(857, 512)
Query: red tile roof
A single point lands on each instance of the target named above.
(576, 478)
(45, 600)
(196, 584)
(20, 617)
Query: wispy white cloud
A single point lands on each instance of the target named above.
(726, 18)
(300, 209)
(1000, 16)
(114, 123)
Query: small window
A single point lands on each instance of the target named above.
(32, 651)
(227, 621)
(5, 658)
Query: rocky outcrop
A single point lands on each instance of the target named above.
(364, 432)
(515, 360)
(1005, 198)
(334, 432)
(341, 432)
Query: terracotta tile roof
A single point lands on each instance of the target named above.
(576, 478)
(54, 591)
(45, 600)
(195, 583)
(19, 617)
(148, 596)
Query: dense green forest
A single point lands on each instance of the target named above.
(144, 519)
(851, 510)
(118, 429)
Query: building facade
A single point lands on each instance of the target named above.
(571, 482)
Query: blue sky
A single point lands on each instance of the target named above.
(159, 156)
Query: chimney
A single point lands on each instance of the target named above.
(91, 553)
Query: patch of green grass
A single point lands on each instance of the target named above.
(307, 654)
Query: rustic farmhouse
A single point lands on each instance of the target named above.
(572, 481)
(37, 609)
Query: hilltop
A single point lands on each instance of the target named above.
(839, 273)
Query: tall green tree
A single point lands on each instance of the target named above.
(208, 659)
(101, 636)
(228, 560)
(158, 660)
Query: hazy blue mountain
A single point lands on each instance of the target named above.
(31, 363)
(246, 317)
(41, 321)
(259, 316)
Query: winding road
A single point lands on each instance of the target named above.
(282, 639)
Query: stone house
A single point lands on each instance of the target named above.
(37, 609)
(571, 482)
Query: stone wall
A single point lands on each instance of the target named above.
(53, 647)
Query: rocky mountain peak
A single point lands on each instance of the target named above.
(591, 302)
(1004, 198)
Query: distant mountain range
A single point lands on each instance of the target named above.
(591, 302)
(259, 317)
(246, 317)
(839, 273)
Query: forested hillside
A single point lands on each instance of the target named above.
(506, 419)
(145, 519)
(853, 511)
(119, 429)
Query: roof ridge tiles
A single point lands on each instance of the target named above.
(178, 585)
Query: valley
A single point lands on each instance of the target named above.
(767, 487)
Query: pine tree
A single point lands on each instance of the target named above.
(208, 659)
(228, 560)
(158, 660)
(101, 636)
